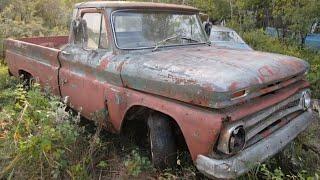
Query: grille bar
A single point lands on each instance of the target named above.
(273, 117)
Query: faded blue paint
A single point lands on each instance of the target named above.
(313, 41)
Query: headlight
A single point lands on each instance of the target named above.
(232, 140)
(305, 100)
(237, 140)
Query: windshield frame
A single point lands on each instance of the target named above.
(153, 46)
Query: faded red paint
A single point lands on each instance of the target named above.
(51, 42)
(187, 117)
(103, 65)
(258, 104)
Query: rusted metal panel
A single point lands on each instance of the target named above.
(93, 81)
(199, 126)
(258, 104)
(40, 61)
(207, 76)
(52, 42)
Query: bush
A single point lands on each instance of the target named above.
(39, 139)
(136, 164)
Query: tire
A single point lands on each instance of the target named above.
(27, 80)
(163, 149)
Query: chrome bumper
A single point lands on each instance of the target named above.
(257, 153)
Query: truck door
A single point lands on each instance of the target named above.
(79, 77)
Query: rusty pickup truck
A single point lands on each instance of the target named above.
(149, 68)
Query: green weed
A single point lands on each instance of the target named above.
(135, 163)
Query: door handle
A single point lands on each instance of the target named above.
(64, 81)
(65, 53)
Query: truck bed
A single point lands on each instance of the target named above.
(37, 56)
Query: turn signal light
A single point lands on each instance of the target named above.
(239, 94)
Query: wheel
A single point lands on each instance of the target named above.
(27, 80)
(163, 147)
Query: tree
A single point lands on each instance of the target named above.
(296, 16)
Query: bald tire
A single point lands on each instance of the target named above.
(163, 148)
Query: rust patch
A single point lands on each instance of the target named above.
(103, 65)
(119, 67)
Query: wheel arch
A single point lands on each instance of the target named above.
(25, 73)
(146, 111)
(199, 126)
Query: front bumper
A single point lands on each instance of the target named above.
(255, 154)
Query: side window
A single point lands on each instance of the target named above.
(96, 31)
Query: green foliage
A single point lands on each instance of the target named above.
(34, 18)
(277, 174)
(38, 137)
(296, 16)
(135, 163)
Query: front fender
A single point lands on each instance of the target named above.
(200, 126)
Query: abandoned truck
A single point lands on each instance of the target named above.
(148, 68)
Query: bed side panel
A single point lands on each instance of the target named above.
(40, 61)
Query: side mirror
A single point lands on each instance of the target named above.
(80, 31)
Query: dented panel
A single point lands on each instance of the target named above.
(40, 61)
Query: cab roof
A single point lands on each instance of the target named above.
(134, 5)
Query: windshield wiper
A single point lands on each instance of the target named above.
(156, 46)
(173, 37)
(189, 39)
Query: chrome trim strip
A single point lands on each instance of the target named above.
(259, 116)
(267, 122)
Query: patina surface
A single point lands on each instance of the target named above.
(207, 76)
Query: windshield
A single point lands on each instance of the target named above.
(227, 36)
(136, 30)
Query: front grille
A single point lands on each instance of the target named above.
(263, 123)
(259, 125)
(272, 128)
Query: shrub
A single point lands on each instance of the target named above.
(135, 163)
(38, 137)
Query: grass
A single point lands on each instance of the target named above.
(40, 139)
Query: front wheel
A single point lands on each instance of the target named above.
(163, 147)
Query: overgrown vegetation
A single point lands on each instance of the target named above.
(39, 139)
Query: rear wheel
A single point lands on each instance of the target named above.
(163, 147)
(27, 79)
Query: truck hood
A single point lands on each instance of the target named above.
(206, 76)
